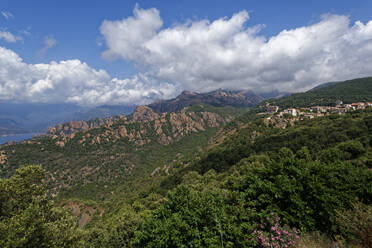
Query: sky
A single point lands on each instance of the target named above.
(133, 52)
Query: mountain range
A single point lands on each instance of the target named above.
(215, 98)
(219, 98)
(36, 118)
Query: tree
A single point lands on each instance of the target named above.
(189, 218)
(28, 218)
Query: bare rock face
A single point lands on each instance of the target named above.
(52, 130)
(72, 127)
(123, 131)
(59, 127)
(60, 143)
(143, 114)
(2, 157)
(76, 124)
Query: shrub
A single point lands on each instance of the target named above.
(317, 240)
(356, 224)
(272, 235)
(351, 149)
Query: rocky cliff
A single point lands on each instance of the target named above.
(144, 127)
(71, 127)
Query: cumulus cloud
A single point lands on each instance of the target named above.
(9, 37)
(72, 81)
(124, 37)
(7, 15)
(49, 42)
(226, 53)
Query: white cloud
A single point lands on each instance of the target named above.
(49, 42)
(125, 36)
(72, 81)
(9, 37)
(225, 53)
(7, 15)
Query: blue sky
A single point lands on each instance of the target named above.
(73, 28)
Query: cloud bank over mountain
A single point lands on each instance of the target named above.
(199, 55)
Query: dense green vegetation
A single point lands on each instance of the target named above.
(29, 219)
(262, 187)
(348, 91)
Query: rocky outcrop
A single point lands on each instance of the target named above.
(72, 127)
(82, 212)
(3, 157)
(145, 127)
(143, 113)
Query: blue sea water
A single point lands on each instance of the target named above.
(16, 137)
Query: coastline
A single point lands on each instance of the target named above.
(4, 138)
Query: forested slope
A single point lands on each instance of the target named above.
(348, 91)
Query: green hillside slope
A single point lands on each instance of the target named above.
(348, 91)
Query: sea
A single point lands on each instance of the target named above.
(16, 137)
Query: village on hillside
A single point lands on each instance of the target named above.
(281, 119)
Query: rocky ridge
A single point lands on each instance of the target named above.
(144, 127)
(152, 111)
(71, 127)
(2, 157)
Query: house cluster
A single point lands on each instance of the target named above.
(317, 111)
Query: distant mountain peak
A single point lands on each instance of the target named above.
(187, 93)
(143, 113)
(218, 97)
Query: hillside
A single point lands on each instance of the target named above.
(116, 148)
(348, 91)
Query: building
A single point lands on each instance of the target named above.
(358, 105)
(291, 111)
(272, 109)
(348, 106)
(319, 109)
